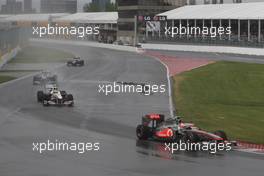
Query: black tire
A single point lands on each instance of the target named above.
(63, 93)
(40, 96)
(46, 98)
(190, 137)
(176, 137)
(69, 97)
(143, 132)
(221, 134)
(81, 63)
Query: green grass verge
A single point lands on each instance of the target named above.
(34, 54)
(224, 95)
(5, 78)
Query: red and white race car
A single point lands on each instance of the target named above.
(155, 127)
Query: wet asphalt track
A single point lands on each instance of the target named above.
(110, 120)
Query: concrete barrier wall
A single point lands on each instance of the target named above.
(210, 49)
(192, 48)
(89, 43)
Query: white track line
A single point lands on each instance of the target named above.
(171, 107)
(169, 87)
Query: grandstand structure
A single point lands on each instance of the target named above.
(245, 19)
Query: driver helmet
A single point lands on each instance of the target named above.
(54, 89)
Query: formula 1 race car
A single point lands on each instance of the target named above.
(52, 96)
(45, 78)
(76, 61)
(155, 127)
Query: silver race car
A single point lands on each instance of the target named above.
(45, 78)
(52, 96)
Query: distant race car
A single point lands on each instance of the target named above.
(76, 61)
(52, 96)
(45, 78)
(155, 127)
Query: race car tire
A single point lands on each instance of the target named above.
(176, 137)
(69, 97)
(190, 137)
(46, 99)
(221, 134)
(143, 132)
(63, 93)
(40, 96)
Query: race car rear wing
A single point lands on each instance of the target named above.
(154, 118)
